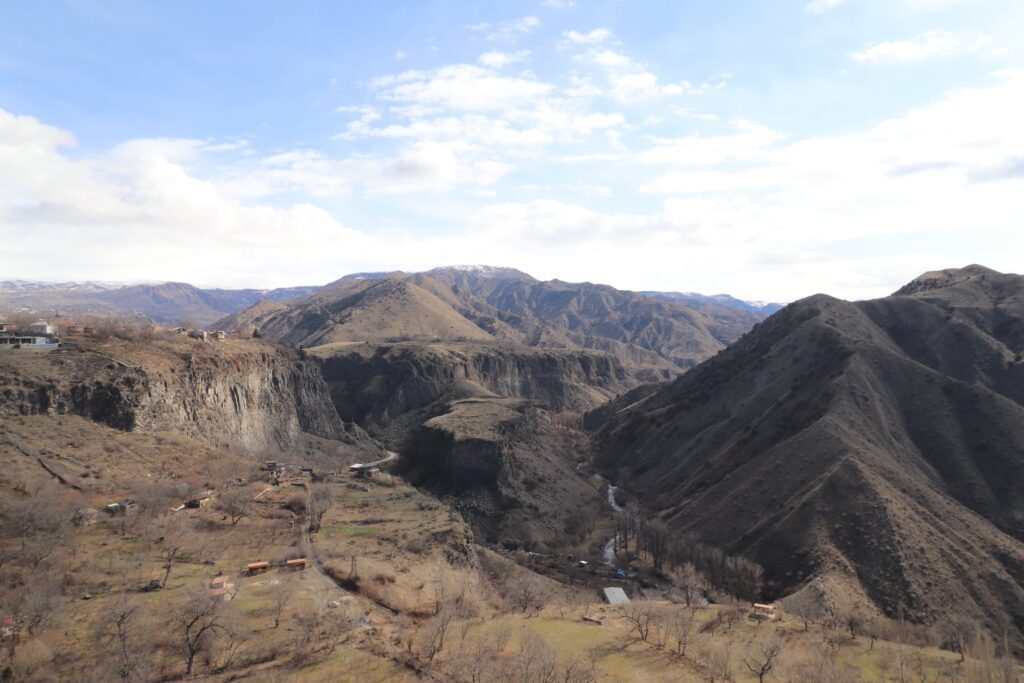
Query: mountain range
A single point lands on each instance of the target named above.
(165, 303)
(874, 448)
(178, 303)
(654, 338)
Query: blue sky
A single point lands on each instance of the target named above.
(766, 149)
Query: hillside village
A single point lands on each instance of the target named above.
(44, 335)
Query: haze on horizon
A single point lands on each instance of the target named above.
(769, 152)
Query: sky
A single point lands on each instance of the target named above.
(770, 150)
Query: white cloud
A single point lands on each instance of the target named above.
(559, 4)
(928, 45)
(745, 141)
(597, 35)
(819, 6)
(761, 213)
(462, 87)
(498, 60)
(508, 32)
(399, 56)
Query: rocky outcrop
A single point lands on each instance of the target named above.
(391, 388)
(247, 393)
(505, 464)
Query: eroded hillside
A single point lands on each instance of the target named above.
(879, 442)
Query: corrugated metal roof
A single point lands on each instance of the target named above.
(615, 595)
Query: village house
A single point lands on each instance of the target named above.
(764, 611)
(363, 471)
(220, 334)
(71, 328)
(254, 568)
(297, 564)
(5, 327)
(41, 327)
(198, 334)
(121, 507)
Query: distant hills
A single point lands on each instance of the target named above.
(165, 303)
(876, 447)
(653, 337)
(695, 300)
(481, 291)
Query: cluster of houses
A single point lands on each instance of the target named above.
(44, 334)
(295, 564)
(283, 474)
(205, 335)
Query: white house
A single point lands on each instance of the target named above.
(41, 327)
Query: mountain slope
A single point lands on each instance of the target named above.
(654, 339)
(878, 443)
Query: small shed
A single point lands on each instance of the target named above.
(767, 611)
(363, 471)
(257, 567)
(296, 564)
(615, 595)
(121, 507)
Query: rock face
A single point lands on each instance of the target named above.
(392, 388)
(879, 445)
(506, 464)
(248, 393)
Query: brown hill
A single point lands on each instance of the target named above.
(351, 309)
(654, 339)
(879, 443)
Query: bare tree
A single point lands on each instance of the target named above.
(320, 501)
(118, 629)
(730, 617)
(170, 548)
(640, 615)
(717, 660)
(959, 632)
(805, 605)
(853, 621)
(435, 632)
(277, 607)
(761, 657)
(656, 541)
(235, 504)
(682, 630)
(37, 601)
(526, 591)
(196, 622)
(689, 581)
